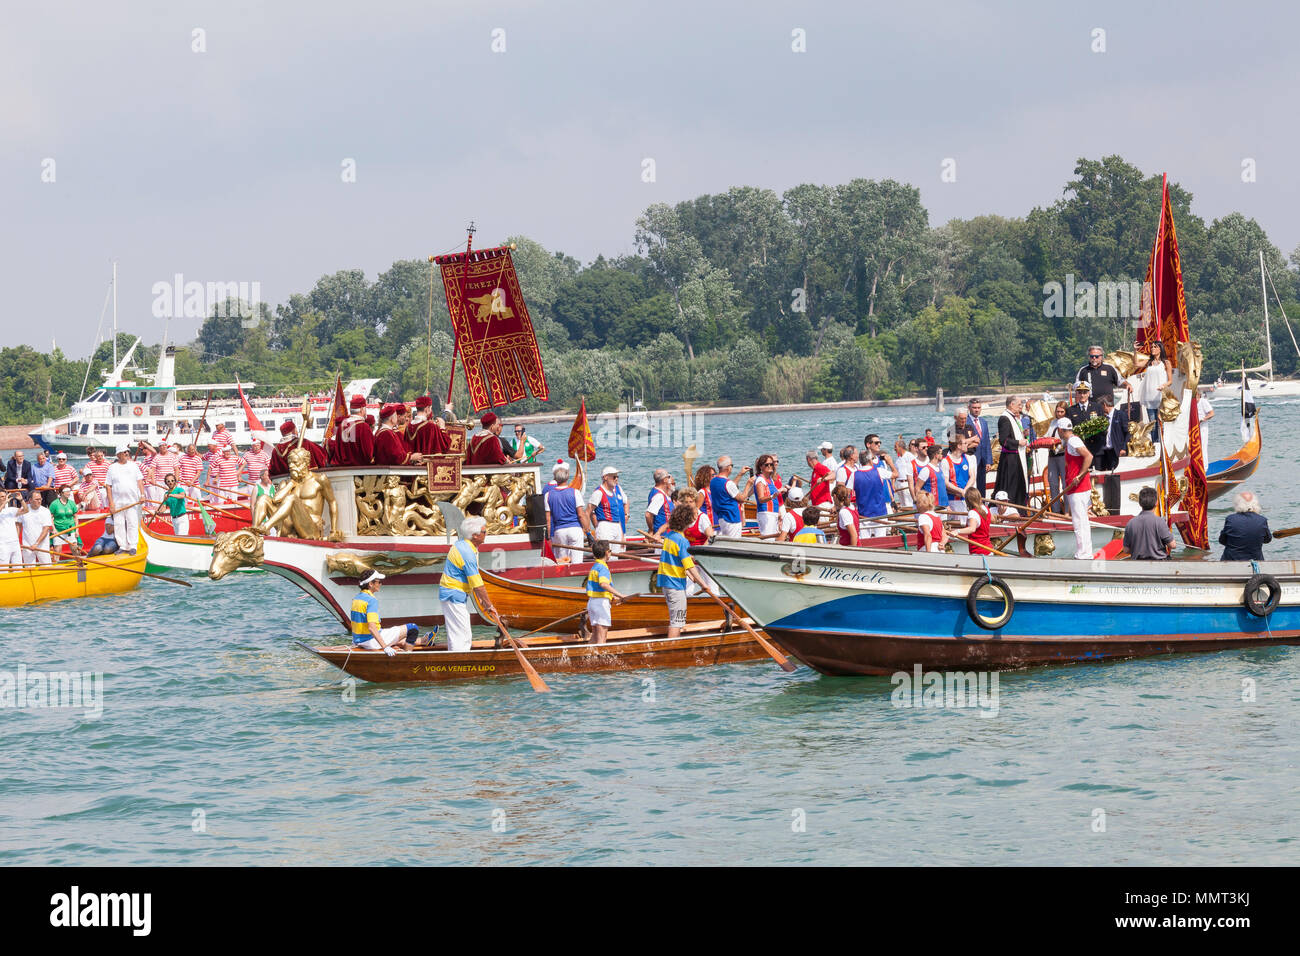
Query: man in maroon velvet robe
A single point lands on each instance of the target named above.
(280, 453)
(391, 446)
(428, 436)
(485, 446)
(354, 444)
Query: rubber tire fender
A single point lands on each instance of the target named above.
(972, 599)
(1274, 595)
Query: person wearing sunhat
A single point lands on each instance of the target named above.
(125, 484)
(367, 635)
(607, 510)
(485, 446)
(354, 442)
(1078, 486)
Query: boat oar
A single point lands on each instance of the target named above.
(954, 534)
(762, 641)
(116, 567)
(81, 524)
(1286, 532)
(1002, 541)
(530, 672)
(568, 617)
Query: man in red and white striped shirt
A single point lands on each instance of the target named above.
(256, 460)
(99, 467)
(223, 475)
(90, 494)
(188, 467)
(165, 463)
(64, 474)
(222, 438)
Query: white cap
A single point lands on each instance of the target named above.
(794, 494)
(825, 446)
(123, 450)
(372, 576)
(1001, 496)
(608, 470)
(86, 470)
(1064, 424)
(559, 466)
(62, 454)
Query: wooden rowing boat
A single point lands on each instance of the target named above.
(700, 644)
(65, 579)
(1226, 474)
(526, 605)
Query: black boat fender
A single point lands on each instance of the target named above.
(1262, 582)
(1004, 593)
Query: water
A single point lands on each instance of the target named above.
(221, 742)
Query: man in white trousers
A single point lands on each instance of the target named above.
(1078, 483)
(460, 578)
(125, 483)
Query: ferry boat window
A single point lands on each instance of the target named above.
(101, 429)
(230, 426)
(269, 424)
(320, 422)
(119, 429)
(140, 429)
(155, 409)
(85, 429)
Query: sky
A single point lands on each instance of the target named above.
(223, 155)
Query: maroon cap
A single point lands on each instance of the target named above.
(370, 419)
(489, 419)
(424, 401)
(358, 401)
(287, 426)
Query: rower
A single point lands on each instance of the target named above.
(676, 567)
(765, 496)
(1146, 536)
(700, 530)
(846, 516)
(607, 509)
(659, 504)
(1078, 486)
(600, 589)
(823, 476)
(871, 491)
(364, 614)
(933, 534)
(459, 578)
(979, 522)
(810, 533)
(726, 498)
(125, 483)
(567, 520)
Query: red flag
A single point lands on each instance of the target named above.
(338, 409)
(581, 445)
(494, 333)
(547, 551)
(253, 424)
(1165, 318)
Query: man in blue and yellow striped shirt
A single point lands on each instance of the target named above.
(600, 588)
(459, 579)
(676, 566)
(364, 616)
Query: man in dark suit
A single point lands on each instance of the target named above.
(1083, 406)
(18, 473)
(1115, 439)
(1245, 531)
(984, 450)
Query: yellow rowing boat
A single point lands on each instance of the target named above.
(67, 579)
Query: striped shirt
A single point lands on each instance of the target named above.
(460, 573)
(810, 535)
(221, 439)
(188, 468)
(257, 462)
(100, 470)
(65, 475)
(598, 582)
(365, 611)
(674, 561)
(225, 468)
(164, 465)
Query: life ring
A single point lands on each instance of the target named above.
(137, 410)
(1251, 596)
(973, 597)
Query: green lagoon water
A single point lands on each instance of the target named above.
(220, 742)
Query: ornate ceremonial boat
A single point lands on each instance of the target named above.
(111, 574)
(527, 604)
(700, 644)
(1226, 474)
(853, 611)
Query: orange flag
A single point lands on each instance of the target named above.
(581, 445)
(338, 409)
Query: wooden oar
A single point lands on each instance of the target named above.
(1061, 519)
(116, 567)
(1286, 532)
(570, 617)
(1002, 541)
(530, 672)
(762, 641)
(81, 524)
(1003, 554)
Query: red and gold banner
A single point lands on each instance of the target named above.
(1165, 318)
(494, 333)
(338, 410)
(581, 445)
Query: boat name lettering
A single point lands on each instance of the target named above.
(846, 574)
(458, 668)
(1148, 590)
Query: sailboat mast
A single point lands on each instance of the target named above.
(1268, 336)
(115, 314)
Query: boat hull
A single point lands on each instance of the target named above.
(851, 611)
(547, 655)
(57, 582)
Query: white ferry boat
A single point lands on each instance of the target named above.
(125, 410)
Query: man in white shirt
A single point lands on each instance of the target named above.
(125, 482)
(827, 451)
(1205, 411)
(608, 510)
(37, 524)
(15, 506)
(566, 517)
(844, 473)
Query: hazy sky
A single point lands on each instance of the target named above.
(225, 165)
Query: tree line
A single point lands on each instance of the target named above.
(821, 293)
